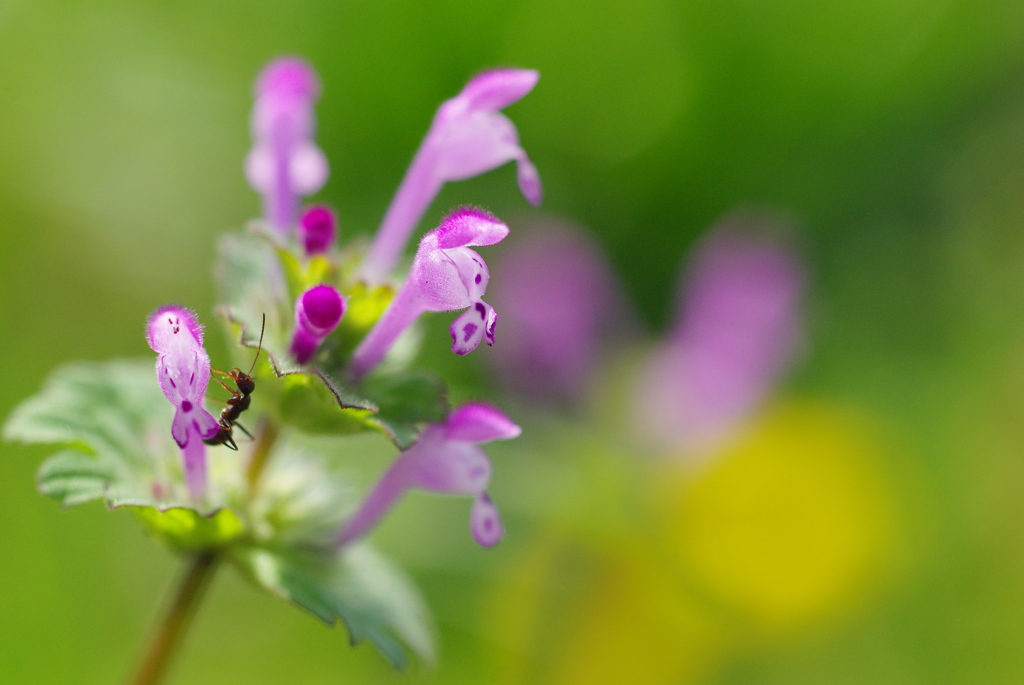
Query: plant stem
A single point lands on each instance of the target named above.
(176, 622)
(266, 436)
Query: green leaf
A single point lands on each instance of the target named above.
(74, 478)
(98, 407)
(115, 425)
(251, 287)
(313, 403)
(357, 586)
(303, 273)
(407, 401)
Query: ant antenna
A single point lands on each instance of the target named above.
(260, 345)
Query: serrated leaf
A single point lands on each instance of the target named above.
(99, 407)
(115, 424)
(358, 587)
(406, 402)
(74, 478)
(312, 403)
(252, 286)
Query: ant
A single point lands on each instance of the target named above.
(239, 400)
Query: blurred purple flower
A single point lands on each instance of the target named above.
(183, 372)
(738, 328)
(317, 312)
(284, 162)
(468, 137)
(446, 275)
(318, 230)
(446, 459)
(559, 301)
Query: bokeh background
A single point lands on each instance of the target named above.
(867, 527)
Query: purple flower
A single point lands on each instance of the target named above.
(446, 459)
(558, 301)
(183, 371)
(739, 327)
(446, 275)
(468, 137)
(318, 230)
(284, 162)
(317, 312)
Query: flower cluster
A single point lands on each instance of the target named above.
(469, 136)
(314, 318)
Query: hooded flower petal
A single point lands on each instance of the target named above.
(478, 423)
(468, 136)
(446, 275)
(446, 459)
(498, 88)
(183, 372)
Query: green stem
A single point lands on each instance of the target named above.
(176, 622)
(266, 436)
(196, 579)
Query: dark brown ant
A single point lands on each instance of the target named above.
(239, 400)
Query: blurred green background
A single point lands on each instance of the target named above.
(893, 131)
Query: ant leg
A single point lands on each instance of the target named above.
(240, 426)
(224, 385)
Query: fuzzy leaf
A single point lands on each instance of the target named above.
(74, 478)
(302, 274)
(115, 425)
(358, 587)
(312, 403)
(252, 285)
(407, 401)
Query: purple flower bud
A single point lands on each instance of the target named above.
(318, 230)
(559, 302)
(738, 329)
(446, 275)
(284, 162)
(317, 312)
(445, 459)
(468, 137)
(183, 372)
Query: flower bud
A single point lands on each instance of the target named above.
(318, 230)
(317, 312)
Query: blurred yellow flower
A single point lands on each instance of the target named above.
(608, 614)
(790, 522)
